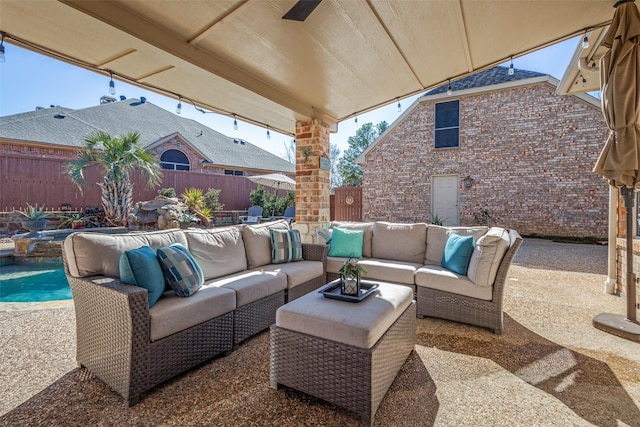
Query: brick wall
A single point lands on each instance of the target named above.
(529, 151)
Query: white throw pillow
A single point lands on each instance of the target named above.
(487, 255)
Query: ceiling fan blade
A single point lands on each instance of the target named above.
(301, 10)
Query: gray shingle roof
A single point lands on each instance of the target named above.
(492, 76)
(64, 126)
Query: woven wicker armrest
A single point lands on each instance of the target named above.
(315, 252)
(112, 330)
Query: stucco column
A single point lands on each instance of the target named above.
(312, 180)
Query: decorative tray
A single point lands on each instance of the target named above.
(332, 291)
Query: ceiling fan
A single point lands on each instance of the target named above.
(301, 10)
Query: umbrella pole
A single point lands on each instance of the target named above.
(625, 327)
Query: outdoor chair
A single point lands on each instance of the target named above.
(290, 214)
(254, 213)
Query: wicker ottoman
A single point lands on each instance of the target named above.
(342, 352)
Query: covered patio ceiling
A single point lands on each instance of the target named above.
(239, 57)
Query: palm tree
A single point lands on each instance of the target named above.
(116, 157)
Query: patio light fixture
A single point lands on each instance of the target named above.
(235, 123)
(112, 85)
(585, 41)
(2, 59)
(468, 181)
(511, 69)
(449, 90)
(179, 107)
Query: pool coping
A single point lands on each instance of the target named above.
(31, 306)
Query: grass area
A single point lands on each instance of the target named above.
(589, 240)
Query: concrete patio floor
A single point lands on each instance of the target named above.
(549, 368)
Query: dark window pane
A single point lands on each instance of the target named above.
(166, 165)
(174, 156)
(447, 114)
(447, 138)
(228, 172)
(239, 173)
(182, 167)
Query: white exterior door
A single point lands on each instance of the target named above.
(444, 199)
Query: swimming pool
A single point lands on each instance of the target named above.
(33, 283)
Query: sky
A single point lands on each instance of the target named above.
(28, 79)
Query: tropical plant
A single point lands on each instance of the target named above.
(212, 200)
(167, 192)
(33, 213)
(69, 220)
(437, 219)
(116, 157)
(186, 216)
(206, 212)
(193, 197)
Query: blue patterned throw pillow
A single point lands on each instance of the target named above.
(180, 269)
(286, 246)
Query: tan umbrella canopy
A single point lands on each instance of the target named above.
(275, 180)
(619, 161)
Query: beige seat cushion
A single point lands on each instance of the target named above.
(89, 254)
(257, 241)
(437, 239)
(487, 255)
(252, 285)
(390, 271)
(297, 272)
(173, 314)
(400, 242)
(219, 251)
(357, 324)
(437, 277)
(368, 233)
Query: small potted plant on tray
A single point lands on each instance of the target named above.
(350, 273)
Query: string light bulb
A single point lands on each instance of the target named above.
(356, 121)
(449, 90)
(179, 107)
(268, 133)
(112, 85)
(2, 58)
(399, 106)
(235, 123)
(584, 81)
(585, 41)
(511, 69)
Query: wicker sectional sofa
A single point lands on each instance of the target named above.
(132, 347)
(411, 255)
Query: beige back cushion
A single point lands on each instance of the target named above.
(487, 255)
(89, 254)
(437, 239)
(218, 252)
(257, 241)
(368, 233)
(400, 242)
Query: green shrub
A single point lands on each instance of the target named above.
(212, 200)
(167, 192)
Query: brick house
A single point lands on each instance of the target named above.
(506, 145)
(34, 145)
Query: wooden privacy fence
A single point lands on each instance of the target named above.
(347, 204)
(40, 180)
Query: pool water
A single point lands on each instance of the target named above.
(33, 283)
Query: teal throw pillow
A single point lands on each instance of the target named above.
(180, 269)
(346, 243)
(286, 246)
(457, 253)
(140, 267)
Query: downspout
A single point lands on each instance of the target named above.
(610, 283)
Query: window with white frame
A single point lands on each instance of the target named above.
(175, 160)
(447, 124)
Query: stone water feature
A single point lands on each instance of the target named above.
(160, 213)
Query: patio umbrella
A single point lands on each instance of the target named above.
(274, 180)
(619, 161)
